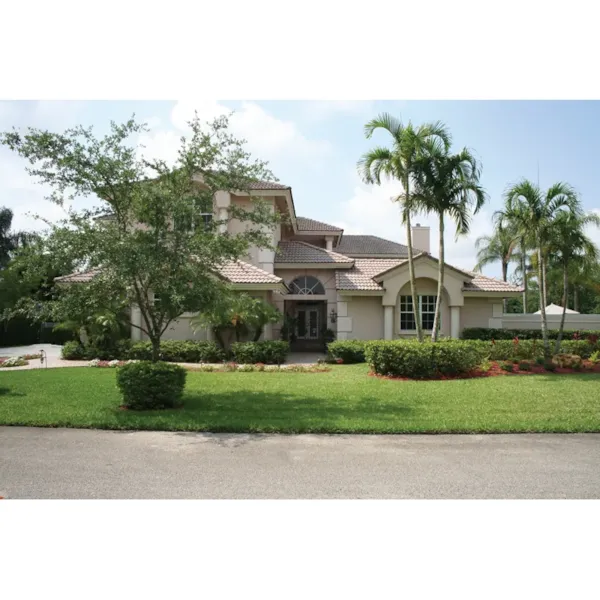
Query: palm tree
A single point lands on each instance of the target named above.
(498, 247)
(568, 244)
(448, 185)
(11, 240)
(533, 212)
(409, 144)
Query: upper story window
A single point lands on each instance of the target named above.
(407, 317)
(306, 285)
(199, 220)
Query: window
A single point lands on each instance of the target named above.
(407, 317)
(306, 286)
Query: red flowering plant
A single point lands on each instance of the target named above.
(493, 342)
(592, 339)
(575, 335)
(339, 361)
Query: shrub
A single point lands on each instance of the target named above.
(408, 358)
(524, 366)
(481, 333)
(178, 351)
(582, 348)
(350, 351)
(267, 352)
(13, 361)
(74, 351)
(595, 357)
(567, 361)
(549, 365)
(507, 366)
(515, 350)
(147, 385)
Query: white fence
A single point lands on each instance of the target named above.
(531, 321)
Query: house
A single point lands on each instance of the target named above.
(356, 285)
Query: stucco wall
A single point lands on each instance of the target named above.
(181, 330)
(367, 317)
(476, 312)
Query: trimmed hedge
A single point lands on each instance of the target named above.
(481, 333)
(73, 351)
(178, 351)
(349, 351)
(148, 386)
(409, 358)
(267, 352)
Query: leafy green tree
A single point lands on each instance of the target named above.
(143, 236)
(533, 212)
(240, 313)
(400, 162)
(568, 244)
(498, 247)
(448, 185)
(11, 241)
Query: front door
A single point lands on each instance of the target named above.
(308, 323)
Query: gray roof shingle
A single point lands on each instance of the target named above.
(370, 245)
(305, 224)
(302, 252)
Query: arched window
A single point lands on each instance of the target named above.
(306, 285)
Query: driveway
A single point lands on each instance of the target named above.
(72, 463)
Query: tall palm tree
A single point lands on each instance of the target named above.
(448, 185)
(498, 247)
(568, 243)
(409, 144)
(534, 212)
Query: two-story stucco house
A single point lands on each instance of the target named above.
(356, 285)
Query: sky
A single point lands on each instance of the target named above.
(313, 146)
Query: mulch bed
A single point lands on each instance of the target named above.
(495, 370)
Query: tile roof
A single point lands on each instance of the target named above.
(305, 224)
(481, 283)
(370, 245)
(78, 277)
(234, 271)
(360, 277)
(242, 272)
(268, 185)
(302, 252)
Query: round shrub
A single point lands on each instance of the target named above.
(73, 351)
(350, 351)
(146, 385)
(268, 352)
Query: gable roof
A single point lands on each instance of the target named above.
(370, 245)
(360, 277)
(267, 185)
(482, 283)
(303, 252)
(305, 224)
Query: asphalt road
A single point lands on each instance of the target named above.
(75, 463)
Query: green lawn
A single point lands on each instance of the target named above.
(343, 400)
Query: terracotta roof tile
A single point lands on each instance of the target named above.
(301, 252)
(268, 185)
(360, 277)
(305, 224)
(370, 245)
(481, 283)
(243, 272)
(78, 277)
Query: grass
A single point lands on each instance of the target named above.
(344, 400)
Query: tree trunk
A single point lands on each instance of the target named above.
(524, 268)
(504, 278)
(562, 319)
(545, 284)
(411, 266)
(575, 298)
(543, 305)
(440, 287)
(155, 349)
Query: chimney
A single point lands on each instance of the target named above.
(420, 238)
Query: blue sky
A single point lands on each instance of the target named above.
(314, 147)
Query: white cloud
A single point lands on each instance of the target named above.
(371, 211)
(324, 109)
(268, 138)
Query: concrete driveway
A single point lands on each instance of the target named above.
(72, 463)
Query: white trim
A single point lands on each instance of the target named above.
(455, 322)
(306, 297)
(278, 287)
(388, 322)
(491, 294)
(361, 292)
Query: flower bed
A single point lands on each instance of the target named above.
(13, 361)
(259, 368)
(497, 368)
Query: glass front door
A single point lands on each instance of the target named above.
(308, 323)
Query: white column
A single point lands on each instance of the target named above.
(388, 322)
(329, 243)
(136, 319)
(268, 332)
(455, 321)
(222, 202)
(222, 216)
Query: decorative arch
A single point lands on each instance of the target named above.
(307, 285)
